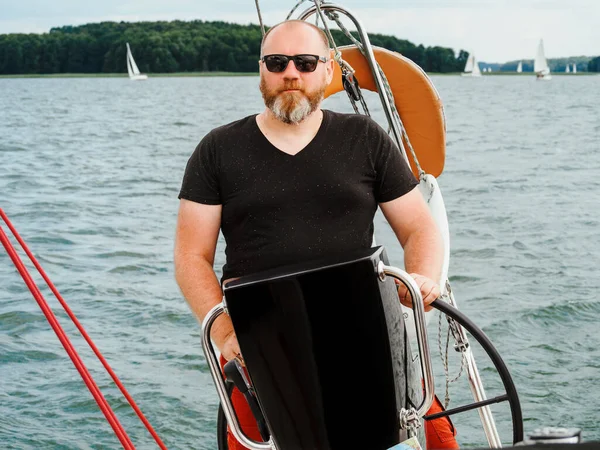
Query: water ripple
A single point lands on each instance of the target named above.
(90, 170)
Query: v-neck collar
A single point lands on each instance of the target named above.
(314, 142)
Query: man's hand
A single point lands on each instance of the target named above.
(429, 290)
(230, 348)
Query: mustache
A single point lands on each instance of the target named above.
(291, 85)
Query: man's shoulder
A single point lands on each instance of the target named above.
(351, 119)
(231, 128)
(353, 124)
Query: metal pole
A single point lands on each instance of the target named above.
(421, 331)
(370, 57)
(215, 370)
(476, 385)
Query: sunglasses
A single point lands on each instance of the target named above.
(303, 63)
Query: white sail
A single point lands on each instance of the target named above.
(540, 64)
(520, 67)
(574, 68)
(132, 68)
(472, 67)
(469, 65)
(129, 70)
(568, 68)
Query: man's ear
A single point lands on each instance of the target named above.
(330, 70)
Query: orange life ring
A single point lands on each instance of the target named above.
(415, 97)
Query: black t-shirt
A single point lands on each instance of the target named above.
(280, 209)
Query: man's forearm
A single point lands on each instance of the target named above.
(202, 290)
(423, 252)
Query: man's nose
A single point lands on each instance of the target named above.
(291, 71)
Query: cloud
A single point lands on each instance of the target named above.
(494, 34)
(495, 30)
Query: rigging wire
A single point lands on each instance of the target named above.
(62, 336)
(262, 25)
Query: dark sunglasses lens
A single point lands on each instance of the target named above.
(306, 63)
(276, 63)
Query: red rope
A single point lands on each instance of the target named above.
(102, 403)
(87, 378)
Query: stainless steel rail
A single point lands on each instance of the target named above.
(370, 56)
(219, 380)
(421, 331)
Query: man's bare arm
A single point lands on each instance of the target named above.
(196, 237)
(421, 240)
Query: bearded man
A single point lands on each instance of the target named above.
(295, 183)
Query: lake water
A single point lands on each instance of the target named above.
(90, 170)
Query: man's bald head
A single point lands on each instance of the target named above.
(289, 26)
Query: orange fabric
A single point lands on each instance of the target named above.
(438, 432)
(244, 416)
(415, 97)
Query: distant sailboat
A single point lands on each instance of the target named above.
(472, 67)
(520, 67)
(132, 68)
(568, 69)
(540, 64)
(574, 68)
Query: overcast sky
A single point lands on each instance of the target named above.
(494, 30)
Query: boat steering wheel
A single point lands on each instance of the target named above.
(509, 387)
(510, 390)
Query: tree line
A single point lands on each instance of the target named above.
(594, 64)
(174, 46)
(192, 46)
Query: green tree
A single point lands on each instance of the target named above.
(171, 46)
(461, 61)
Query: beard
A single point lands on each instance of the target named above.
(291, 107)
